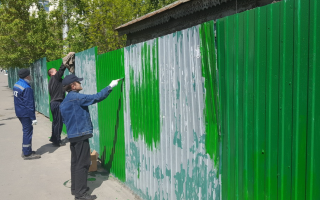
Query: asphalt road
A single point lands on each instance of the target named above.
(48, 177)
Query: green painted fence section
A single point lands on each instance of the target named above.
(268, 60)
(313, 126)
(210, 74)
(110, 66)
(55, 64)
(144, 94)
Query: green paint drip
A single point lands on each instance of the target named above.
(208, 62)
(144, 97)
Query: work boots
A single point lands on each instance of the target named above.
(32, 156)
(22, 155)
(86, 196)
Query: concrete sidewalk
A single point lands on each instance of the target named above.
(48, 177)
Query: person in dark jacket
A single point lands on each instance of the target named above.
(25, 111)
(76, 116)
(57, 95)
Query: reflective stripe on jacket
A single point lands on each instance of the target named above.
(23, 99)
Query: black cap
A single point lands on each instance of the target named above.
(70, 79)
(24, 73)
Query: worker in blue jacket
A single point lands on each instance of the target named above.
(75, 114)
(25, 111)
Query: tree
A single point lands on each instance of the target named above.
(25, 36)
(157, 4)
(93, 22)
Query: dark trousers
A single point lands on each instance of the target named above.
(27, 130)
(56, 123)
(80, 163)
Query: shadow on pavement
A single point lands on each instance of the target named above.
(2, 124)
(95, 180)
(47, 148)
(10, 118)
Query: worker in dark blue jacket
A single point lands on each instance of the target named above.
(76, 117)
(25, 111)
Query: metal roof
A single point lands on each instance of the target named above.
(168, 7)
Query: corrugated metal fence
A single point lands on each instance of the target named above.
(110, 66)
(165, 121)
(269, 74)
(186, 114)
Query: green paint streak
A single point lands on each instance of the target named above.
(208, 62)
(65, 183)
(144, 97)
(91, 179)
(110, 66)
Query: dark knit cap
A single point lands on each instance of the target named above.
(24, 73)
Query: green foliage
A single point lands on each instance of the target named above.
(93, 22)
(157, 4)
(26, 36)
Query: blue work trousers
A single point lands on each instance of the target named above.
(27, 129)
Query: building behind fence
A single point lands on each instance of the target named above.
(227, 109)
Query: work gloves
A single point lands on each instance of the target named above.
(34, 122)
(114, 83)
